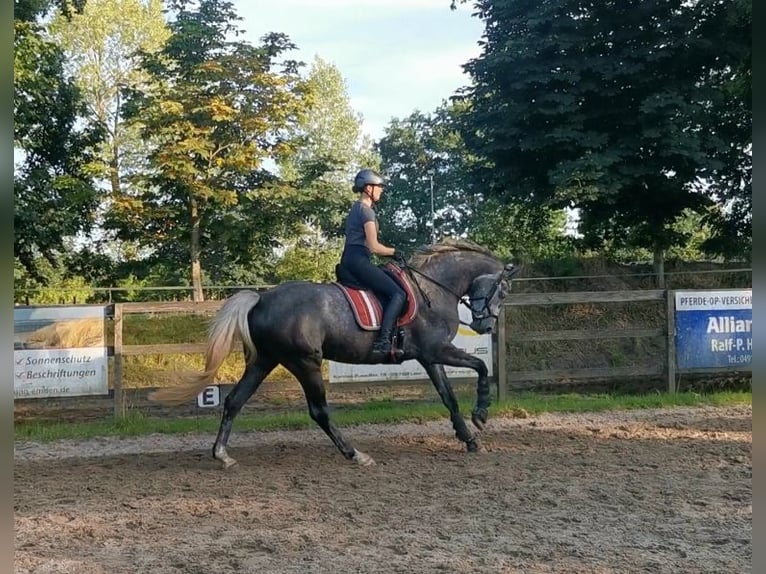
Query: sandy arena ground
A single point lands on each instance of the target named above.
(664, 491)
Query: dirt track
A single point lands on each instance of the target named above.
(645, 491)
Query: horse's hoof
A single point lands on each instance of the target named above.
(479, 418)
(225, 459)
(363, 459)
(475, 445)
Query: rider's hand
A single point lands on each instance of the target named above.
(398, 257)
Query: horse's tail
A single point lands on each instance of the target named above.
(229, 322)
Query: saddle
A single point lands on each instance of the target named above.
(366, 306)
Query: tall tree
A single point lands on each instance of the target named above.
(433, 192)
(218, 111)
(732, 222)
(603, 106)
(54, 194)
(430, 192)
(330, 148)
(102, 47)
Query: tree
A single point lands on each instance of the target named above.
(329, 148)
(521, 232)
(218, 111)
(731, 224)
(605, 107)
(432, 176)
(102, 47)
(54, 194)
(310, 257)
(421, 154)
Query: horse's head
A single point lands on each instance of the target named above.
(486, 298)
(461, 268)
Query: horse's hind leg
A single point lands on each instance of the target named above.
(235, 400)
(309, 374)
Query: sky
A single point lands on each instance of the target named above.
(397, 56)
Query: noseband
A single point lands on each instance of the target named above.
(486, 311)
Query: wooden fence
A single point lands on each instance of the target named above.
(505, 377)
(665, 366)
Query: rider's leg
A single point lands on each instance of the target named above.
(393, 309)
(388, 291)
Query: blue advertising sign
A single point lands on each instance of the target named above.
(714, 328)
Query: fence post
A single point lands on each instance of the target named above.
(119, 402)
(502, 366)
(671, 339)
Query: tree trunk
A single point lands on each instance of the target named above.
(114, 171)
(196, 267)
(114, 160)
(659, 266)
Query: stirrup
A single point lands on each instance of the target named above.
(386, 351)
(382, 347)
(393, 355)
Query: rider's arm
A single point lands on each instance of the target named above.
(371, 238)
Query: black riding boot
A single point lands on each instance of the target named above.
(381, 348)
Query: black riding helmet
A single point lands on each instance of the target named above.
(366, 177)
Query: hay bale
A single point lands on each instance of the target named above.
(68, 334)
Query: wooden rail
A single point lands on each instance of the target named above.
(120, 350)
(665, 365)
(505, 377)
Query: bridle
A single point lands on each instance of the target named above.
(486, 310)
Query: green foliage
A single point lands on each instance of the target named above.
(329, 149)
(130, 289)
(693, 233)
(34, 10)
(426, 149)
(521, 232)
(307, 261)
(64, 288)
(216, 113)
(421, 153)
(54, 194)
(613, 107)
(102, 47)
(731, 33)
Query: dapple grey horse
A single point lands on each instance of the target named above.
(298, 324)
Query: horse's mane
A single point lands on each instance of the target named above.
(424, 254)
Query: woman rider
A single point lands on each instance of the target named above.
(361, 242)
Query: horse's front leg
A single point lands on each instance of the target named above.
(441, 383)
(450, 355)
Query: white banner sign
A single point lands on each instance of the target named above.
(59, 352)
(59, 373)
(471, 342)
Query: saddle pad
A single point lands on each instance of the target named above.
(367, 309)
(365, 305)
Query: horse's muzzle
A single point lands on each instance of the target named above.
(483, 326)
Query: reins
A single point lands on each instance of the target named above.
(408, 268)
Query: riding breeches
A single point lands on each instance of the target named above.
(356, 260)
